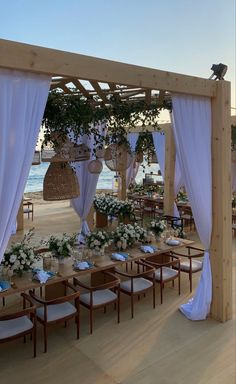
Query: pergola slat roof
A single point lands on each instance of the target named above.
(101, 93)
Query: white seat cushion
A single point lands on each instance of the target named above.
(139, 284)
(56, 311)
(167, 273)
(103, 296)
(13, 327)
(196, 265)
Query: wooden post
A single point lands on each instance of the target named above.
(20, 218)
(169, 194)
(221, 241)
(122, 190)
(90, 219)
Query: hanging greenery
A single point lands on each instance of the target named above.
(71, 115)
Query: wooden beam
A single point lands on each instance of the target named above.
(148, 96)
(99, 91)
(20, 218)
(81, 88)
(221, 241)
(169, 195)
(26, 57)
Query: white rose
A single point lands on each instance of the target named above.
(13, 258)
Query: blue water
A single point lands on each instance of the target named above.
(37, 173)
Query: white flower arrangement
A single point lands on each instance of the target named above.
(109, 205)
(97, 240)
(157, 227)
(20, 256)
(126, 235)
(61, 247)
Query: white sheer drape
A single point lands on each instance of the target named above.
(22, 101)
(132, 171)
(87, 183)
(192, 130)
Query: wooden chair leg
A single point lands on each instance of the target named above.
(34, 336)
(118, 307)
(154, 296)
(161, 288)
(191, 281)
(105, 310)
(179, 283)
(78, 325)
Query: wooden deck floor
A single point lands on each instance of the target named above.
(157, 347)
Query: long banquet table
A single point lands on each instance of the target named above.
(66, 271)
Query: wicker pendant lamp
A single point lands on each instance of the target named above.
(60, 182)
(117, 158)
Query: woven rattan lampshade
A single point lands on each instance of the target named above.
(95, 166)
(36, 158)
(153, 159)
(62, 153)
(120, 157)
(81, 152)
(100, 152)
(60, 182)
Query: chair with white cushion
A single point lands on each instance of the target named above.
(19, 324)
(188, 264)
(57, 310)
(137, 283)
(100, 295)
(167, 268)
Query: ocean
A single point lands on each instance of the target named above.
(37, 173)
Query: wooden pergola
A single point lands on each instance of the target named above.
(129, 81)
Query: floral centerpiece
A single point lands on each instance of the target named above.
(61, 247)
(126, 236)
(20, 257)
(97, 240)
(102, 203)
(157, 227)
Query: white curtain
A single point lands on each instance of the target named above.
(132, 171)
(23, 97)
(192, 130)
(87, 183)
(233, 175)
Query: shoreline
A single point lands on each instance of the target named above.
(37, 197)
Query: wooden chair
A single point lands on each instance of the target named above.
(187, 216)
(167, 268)
(57, 310)
(190, 265)
(28, 208)
(137, 283)
(100, 295)
(19, 324)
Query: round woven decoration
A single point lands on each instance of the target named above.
(120, 158)
(100, 152)
(95, 166)
(60, 183)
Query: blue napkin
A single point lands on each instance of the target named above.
(81, 265)
(148, 248)
(41, 275)
(119, 256)
(4, 285)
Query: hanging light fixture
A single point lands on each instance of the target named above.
(60, 182)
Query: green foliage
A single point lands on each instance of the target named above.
(74, 116)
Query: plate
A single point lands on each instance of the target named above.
(77, 267)
(50, 274)
(115, 256)
(172, 242)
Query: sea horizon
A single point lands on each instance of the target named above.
(37, 173)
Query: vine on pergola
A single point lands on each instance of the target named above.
(72, 115)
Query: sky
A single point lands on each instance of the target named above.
(183, 36)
